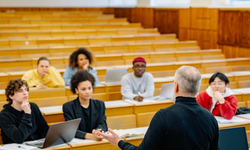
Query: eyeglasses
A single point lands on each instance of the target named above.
(137, 67)
(220, 84)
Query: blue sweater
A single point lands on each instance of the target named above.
(69, 72)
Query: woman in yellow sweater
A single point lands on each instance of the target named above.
(44, 76)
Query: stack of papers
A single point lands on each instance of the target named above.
(235, 119)
(144, 101)
(128, 133)
(15, 146)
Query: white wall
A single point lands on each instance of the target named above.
(54, 3)
(201, 3)
(143, 3)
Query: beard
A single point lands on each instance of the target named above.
(173, 96)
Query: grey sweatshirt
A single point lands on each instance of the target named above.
(131, 85)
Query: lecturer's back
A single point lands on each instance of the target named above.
(183, 126)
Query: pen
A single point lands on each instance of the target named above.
(20, 147)
(139, 94)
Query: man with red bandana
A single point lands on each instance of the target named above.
(139, 84)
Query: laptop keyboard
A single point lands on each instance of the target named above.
(37, 143)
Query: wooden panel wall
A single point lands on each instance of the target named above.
(199, 24)
(234, 33)
(166, 20)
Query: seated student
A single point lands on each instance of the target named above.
(138, 82)
(91, 111)
(79, 59)
(44, 76)
(218, 98)
(21, 120)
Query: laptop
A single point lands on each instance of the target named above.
(59, 133)
(166, 92)
(114, 76)
(233, 139)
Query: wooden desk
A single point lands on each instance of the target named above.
(16, 74)
(245, 96)
(119, 108)
(145, 110)
(4, 80)
(45, 93)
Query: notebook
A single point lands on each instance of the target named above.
(57, 134)
(233, 139)
(114, 76)
(166, 92)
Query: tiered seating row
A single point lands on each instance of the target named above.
(111, 59)
(75, 33)
(58, 15)
(69, 26)
(84, 41)
(100, 19)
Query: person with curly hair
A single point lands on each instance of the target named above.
(21, 120)
(44, 76)
(79, 60)
(92, 112)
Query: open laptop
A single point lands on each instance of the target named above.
(114, 76)
(233, 139)
(166, 92)
(57, 134)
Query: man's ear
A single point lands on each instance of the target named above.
(176, 87)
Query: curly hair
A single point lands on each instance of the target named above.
(80, 76)
(74, 57)
(13, 86)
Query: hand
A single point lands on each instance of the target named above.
(217, 95)
(85, 67)
(113, 138)
(41, 86)
(94, 135)
(26, 107)
(139, 98)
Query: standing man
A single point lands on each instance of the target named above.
(139, 84)
(184, 125)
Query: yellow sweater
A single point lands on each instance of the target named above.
(52, 78)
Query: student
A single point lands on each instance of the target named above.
(91, 111)
(21, 120)
(138, 82)
(183, 126)
(218, 98)
(79, 59)
(44, 76)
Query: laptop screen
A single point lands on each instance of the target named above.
(115, 75)
(233, 139)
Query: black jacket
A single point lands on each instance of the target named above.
(183, 126)
(18, 127)
(73, 110)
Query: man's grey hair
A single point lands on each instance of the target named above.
(188, 79)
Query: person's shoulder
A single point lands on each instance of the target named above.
(127, 76)
(70, 68)
(148, 75)
(33, 105)
(70, 103)
(203, 93)
(97, 102)
(30, 72)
